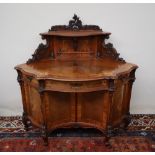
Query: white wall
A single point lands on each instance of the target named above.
(133, 32)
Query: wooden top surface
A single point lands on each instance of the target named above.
(80, 33)
(76, 70)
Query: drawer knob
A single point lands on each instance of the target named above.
(76, 85)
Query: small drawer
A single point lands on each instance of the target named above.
(76, 86)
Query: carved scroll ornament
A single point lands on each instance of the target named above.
(39, 52)
(110, 51)
(75, 24)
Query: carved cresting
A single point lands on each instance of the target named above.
(75, 24)
(110, 51)
(38, 53)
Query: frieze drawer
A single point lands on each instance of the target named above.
(76, 86)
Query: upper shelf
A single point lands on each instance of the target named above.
(80, 33)
(75, 41)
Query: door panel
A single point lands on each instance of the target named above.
(34, 105)
(116, 110)
(92, 108)
(60, 108)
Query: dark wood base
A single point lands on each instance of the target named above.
(108, 135)
(126, 121)
(45, 136)
(25, 121)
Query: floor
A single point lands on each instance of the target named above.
(140, 136)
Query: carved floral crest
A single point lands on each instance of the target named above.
(75, 24)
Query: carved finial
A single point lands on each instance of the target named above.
(76, 23)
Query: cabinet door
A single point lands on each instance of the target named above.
(117, 111)
(34, 103)
(60, 108)
(92, 108)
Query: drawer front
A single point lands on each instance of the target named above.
(78, 86)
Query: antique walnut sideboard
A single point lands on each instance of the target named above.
(76, 80)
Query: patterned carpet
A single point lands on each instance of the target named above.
(140, 137)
